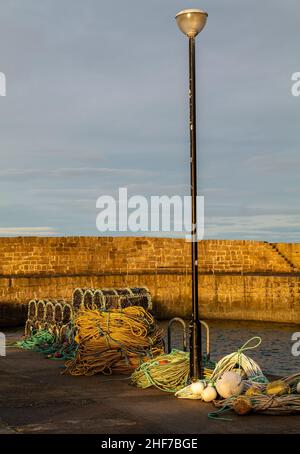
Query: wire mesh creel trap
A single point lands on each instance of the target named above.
(48, 315)
(111, 298)
(57, 315)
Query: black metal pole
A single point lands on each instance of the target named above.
(196, 368)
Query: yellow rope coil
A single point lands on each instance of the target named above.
(167, 372)
(114, 341)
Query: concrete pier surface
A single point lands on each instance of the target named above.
(35, 398)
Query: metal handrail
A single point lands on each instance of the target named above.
(184, 335)
(207, 339)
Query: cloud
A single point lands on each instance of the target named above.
(11, 174)
(28, 231)
(90, 108)
(276, 162)
(279, 227)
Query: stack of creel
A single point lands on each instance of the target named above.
(111, 298)
(57, 316)
(114, 341)
(53, 316)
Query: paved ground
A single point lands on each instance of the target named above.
(36, 398)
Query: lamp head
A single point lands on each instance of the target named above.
(191, 21)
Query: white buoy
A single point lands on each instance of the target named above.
(209, 394)
(230, 384)
(197, 387)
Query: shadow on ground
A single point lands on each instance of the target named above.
(36, 398)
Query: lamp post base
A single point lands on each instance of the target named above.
(196, 370)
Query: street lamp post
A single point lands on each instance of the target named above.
(191, 22)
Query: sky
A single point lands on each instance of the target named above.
(96, 99)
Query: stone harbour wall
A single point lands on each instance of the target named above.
(244, 280)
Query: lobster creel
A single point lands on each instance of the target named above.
(32, 310)
(111, 298)
(47, 315)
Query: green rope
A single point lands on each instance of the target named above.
(238, 357)
(244, 347)
(215, 414)
(46, 343)
(151, 372)
(259, 379)
(37, 342)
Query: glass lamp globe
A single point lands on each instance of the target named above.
(191, 21)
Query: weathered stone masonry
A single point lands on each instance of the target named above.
(249, 280)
